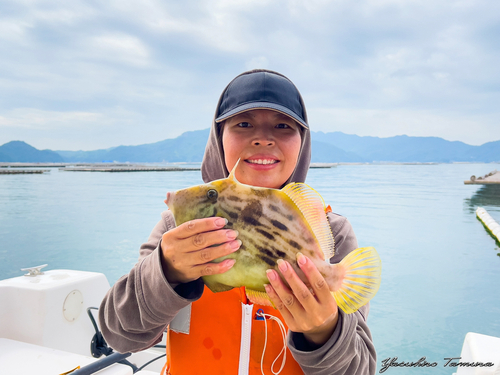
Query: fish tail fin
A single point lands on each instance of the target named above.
(258, 298)
(362, 274)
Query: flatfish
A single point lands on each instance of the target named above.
(276, 224)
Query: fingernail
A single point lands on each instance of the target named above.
(268, 288)
(230, 263)
(235, 245)
(271, 275)
(301, 259)
(282, 265)
(232, 234)
(220, 222)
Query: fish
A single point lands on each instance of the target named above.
(275, 224)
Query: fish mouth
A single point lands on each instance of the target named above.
(168, 197)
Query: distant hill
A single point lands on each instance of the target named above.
(489, 151)
(403, 148)
(326, 147)
(19, 151)
(188, 147)
(323, 152)
(5, 158)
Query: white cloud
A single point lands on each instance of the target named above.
(119, 48)
(260, 62)
(70, 130)
(33, 118)
(401, 65)
(218, 25)
(13, 30)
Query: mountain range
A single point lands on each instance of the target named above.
(331, 147)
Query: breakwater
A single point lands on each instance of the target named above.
(23, 171)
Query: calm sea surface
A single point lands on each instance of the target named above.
(441, 269)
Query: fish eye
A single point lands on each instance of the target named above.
(212, 195)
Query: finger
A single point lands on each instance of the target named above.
(196, 226)
(211, 268)
(297, 286)
(209, 254)
(206, 240)
(284, 293)
(278, 303)
(316, 280)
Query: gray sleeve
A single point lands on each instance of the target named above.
(137, 309)
(350, 349)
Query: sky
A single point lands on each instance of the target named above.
(86, 75)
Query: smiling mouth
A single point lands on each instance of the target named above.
(262, 161)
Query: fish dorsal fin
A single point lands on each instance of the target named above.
(312, 206)
(232, 174)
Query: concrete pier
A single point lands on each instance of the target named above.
(490, 178)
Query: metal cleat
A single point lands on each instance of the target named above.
(34, 271)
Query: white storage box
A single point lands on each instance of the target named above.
(480, 348)
(50, 309)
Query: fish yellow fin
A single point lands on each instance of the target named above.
(258, 298)
(312, 206)
(232, 174)
(362, 274)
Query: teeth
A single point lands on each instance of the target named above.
(263, 161)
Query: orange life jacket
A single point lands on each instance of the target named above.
(227, 336)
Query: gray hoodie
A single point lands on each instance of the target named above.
(132, 317)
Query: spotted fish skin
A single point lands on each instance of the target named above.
(269, 224)
(277, 224)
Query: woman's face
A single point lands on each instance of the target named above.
(267, 144)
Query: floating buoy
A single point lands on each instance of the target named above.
(489, 223)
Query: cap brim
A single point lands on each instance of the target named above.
(262, 105)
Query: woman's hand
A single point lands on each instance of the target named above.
(315, 315)
(189, 249)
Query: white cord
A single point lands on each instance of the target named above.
(283, 334)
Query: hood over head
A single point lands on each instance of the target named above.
(257, 89)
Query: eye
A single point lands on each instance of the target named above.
(244, 124)
(283, 126)
(212, 195)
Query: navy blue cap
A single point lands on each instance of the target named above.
(261, 90)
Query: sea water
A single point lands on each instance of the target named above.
(441, 269)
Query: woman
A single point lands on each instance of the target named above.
(260, 120)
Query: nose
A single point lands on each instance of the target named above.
(263, 138)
